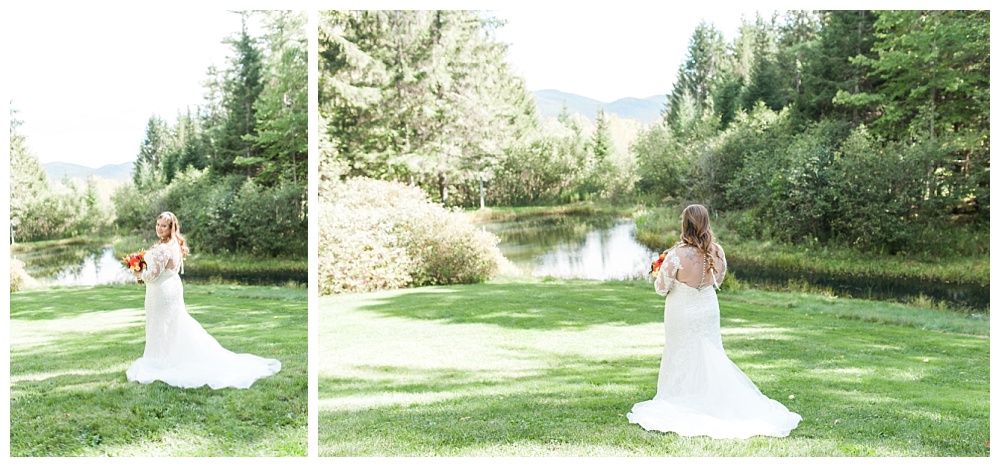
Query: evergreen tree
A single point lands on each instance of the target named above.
(236, 150)
(601, 141)
(701, 73)
(765, 80)
(282, 107)
(421, 96)
(148, 168)
(829, 69)
(798, 34)
(935, 67)
(29, 183)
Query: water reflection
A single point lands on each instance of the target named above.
(95, 270)
(79, 264)
(601, 248)
(95, 263)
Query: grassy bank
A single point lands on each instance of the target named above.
(507, 213)
(532, 367)
(70, 348)
(227, 267)
(23, 247)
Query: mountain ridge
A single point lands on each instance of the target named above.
(646, 110)
(59, 170)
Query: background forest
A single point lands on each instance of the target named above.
(233, 169)
(865, 130)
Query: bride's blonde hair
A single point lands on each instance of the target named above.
(696, 230)
(175, 230)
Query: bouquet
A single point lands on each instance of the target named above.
(135, 262)
(655, 268)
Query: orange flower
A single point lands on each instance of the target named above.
(655, 269)
(135, 261)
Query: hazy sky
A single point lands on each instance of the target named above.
(85, 82)
(607, 54)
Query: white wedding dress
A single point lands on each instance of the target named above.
(178, 350)
(700, 392)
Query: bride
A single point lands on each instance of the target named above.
(700, 391)
(178, 350)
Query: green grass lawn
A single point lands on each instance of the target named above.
(70, 348)
(541, 367)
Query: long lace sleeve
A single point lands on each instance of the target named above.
(720, 265)
(156, 263)
(668, 273)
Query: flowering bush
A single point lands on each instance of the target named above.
(381, 235)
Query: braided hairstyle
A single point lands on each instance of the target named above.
(696, 231)
(175, 230)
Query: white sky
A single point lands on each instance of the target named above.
(607, 54)
(86, 81)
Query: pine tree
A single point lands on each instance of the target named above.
(829, 69)
(148, 168)
(282, 107)
(28, 181)
(236, 150)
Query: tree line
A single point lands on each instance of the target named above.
(865, 128)
(233, 169)
(44, 209)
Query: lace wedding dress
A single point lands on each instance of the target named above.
(178, 350)
(700, 392)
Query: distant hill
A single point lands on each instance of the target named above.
(58, 170)
(550, 103)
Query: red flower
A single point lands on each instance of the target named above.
(135, 262)
(655, 269)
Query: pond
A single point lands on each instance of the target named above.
(591, 247)
(95, 263)
(605, 248)
(75, 264)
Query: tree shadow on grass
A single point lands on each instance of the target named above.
(76, 405)
(70, 397)
(546, 305)
(576, 405)
(101, 413)
(63, 302)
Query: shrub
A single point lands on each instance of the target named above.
(272, 220)
(380, 235)
(18, 277)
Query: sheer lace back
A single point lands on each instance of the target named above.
(700, 391)
(687, 265)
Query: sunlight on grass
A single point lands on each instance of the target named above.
(533, 367)
(54, 374)
(70, 348)
(387, 399)
(26, 334)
